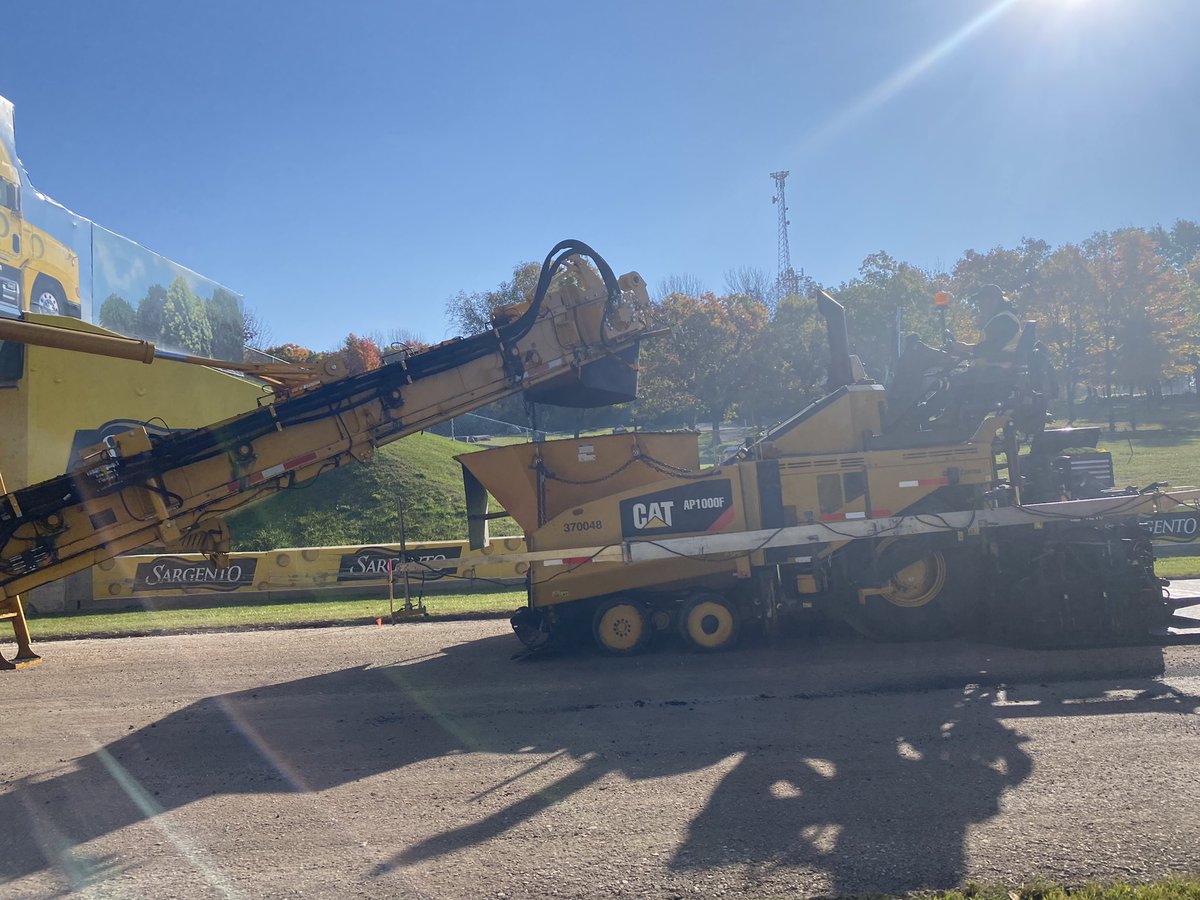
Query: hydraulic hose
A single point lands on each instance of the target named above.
(175, 450)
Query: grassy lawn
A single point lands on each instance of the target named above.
(266, 615)
(1147, 456)
(1164, 889)
(1163, 448)
(1178, 567)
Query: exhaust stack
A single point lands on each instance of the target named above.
(840, 370)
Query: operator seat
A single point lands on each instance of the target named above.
(933, 392)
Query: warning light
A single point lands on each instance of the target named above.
(941, 299)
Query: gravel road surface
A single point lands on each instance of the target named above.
(422, 761)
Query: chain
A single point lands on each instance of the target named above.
(658, 465)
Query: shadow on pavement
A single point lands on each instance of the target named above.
(840, 767)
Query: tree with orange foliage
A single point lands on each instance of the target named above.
(361, 354)
(292, 353)
(1141, 308)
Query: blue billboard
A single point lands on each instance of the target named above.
(55, 262)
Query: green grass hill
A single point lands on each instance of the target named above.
(359, 503)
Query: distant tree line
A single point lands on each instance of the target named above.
(1119, 312)
(220, 327)
(361, 354)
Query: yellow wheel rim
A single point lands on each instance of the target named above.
(917, 583)
(709, 624)
(621, 627)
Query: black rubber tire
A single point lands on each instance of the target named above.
(55, 303)
(709, 623)
(532, 628)
(944, 615)
(621, 626)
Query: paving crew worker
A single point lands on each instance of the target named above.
(1001, 328)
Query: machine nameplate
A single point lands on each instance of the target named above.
(689, 508)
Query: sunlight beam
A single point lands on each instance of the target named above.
(199, 858)
(881, 93)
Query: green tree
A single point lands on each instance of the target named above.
(664, 399)
(117, 314)
(1015, 271)
(150, 313)
(792, 358)
(707, 367)
(472, 313)
(224, 311)
(888, 292)
(185, 321)
(1181, 245)
(1067, 322)
(1143, 310)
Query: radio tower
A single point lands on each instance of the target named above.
(786, 282)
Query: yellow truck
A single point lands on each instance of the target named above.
(37, 272)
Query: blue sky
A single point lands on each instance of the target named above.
(349, 166)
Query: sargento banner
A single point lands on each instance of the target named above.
(299, 569)
(1174, 527)
(173, 573)
(374, 563)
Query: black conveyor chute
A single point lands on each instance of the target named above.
(602, 382)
